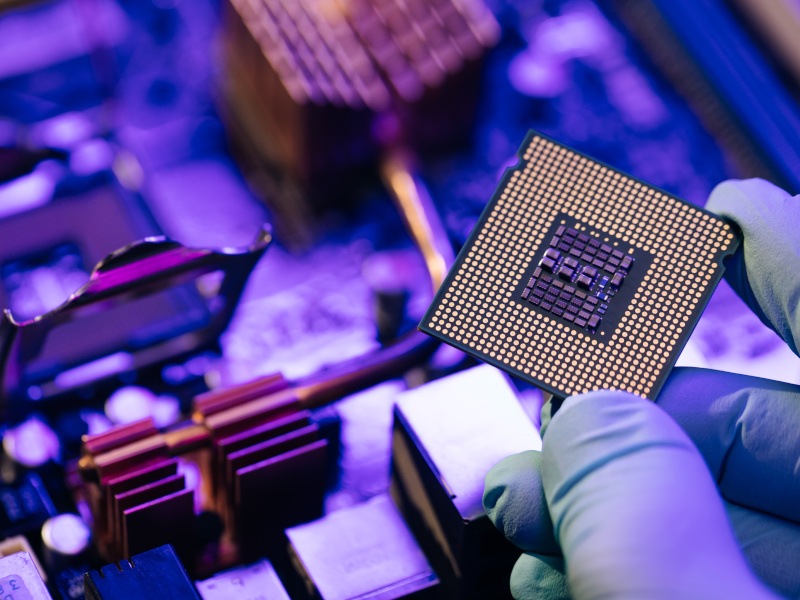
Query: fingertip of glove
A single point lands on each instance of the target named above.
(549, 410)
(492, 494)
(512, 473)
(598, 402)
(537, 577)
(606, 420)
(514, 501)
(740, 186)
(733, 197)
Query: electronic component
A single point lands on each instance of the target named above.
(447, 434)
(149, 312)
(19, 544)
(69, 583)
(47, 32)
(365, 551)
(31, 444)
(139, 499)
(734, 82)
(133, 403)
(139, 506)
(578, 277)
(262, 463)
(328, 70)
(20, 579)
(774, 22)
(25, 505)
(152, 575)
(66, 540)
(252, 582)
(36, 284)
(268, 466)
(318, 92)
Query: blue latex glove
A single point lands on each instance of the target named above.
(696, 496)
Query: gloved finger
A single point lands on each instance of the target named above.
(514, 501)
(539, 578)
(771, 547)
(513, 498)
(549, 410)
(634, 507)
(746, 428)
(765, 271)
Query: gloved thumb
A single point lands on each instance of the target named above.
(634, 507)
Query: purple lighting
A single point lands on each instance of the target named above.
(32, 443)
(102, 367)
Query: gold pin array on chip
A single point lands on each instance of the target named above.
(673, 252)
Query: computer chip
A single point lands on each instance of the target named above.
(578, 277)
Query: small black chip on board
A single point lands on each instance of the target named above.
(578, 277)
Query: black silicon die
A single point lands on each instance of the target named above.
(584, 277)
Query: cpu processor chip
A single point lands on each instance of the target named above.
(578, 277)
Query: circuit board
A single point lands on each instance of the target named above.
(120, 118)
(578, 277)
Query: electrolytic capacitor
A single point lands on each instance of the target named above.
(391, 277)
(133, 403)
(31, 444)
(66, 539)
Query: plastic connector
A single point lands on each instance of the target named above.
(20, 578)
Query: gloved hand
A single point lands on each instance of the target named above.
(696, 496)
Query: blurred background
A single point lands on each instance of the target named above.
(328, 129)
